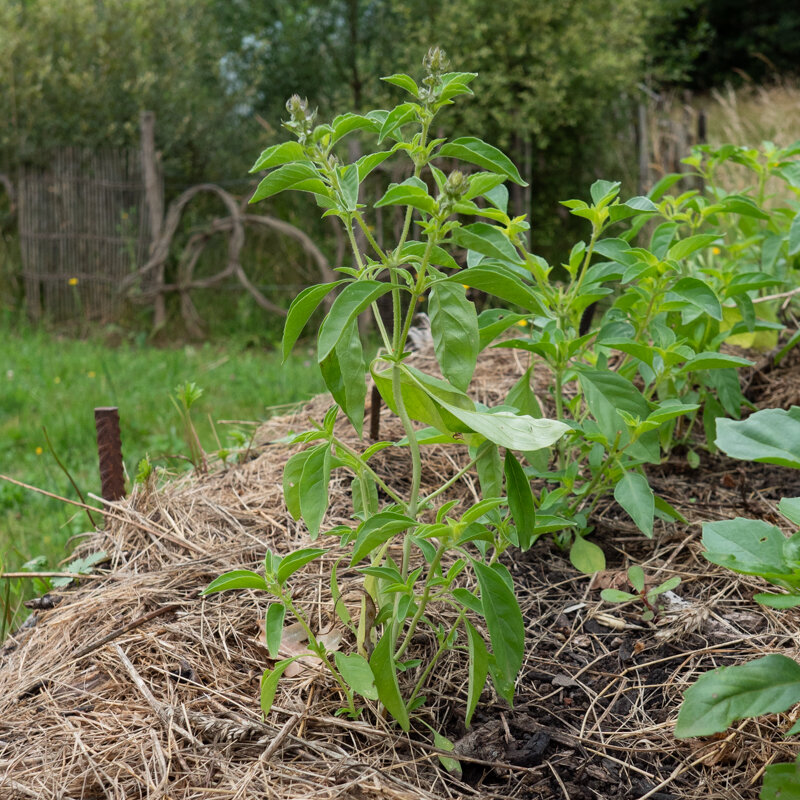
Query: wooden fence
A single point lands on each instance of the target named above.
(84, 227)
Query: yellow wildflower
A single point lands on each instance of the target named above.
(522, 323)
(91, 374)
(56, 379)
(421, 298)
(716, 251)
(39, 451)
(73, 281)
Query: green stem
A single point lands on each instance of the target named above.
(340, 444)
(370, 238)
(445, 486)
(319, 650)
(432, 663)
(423, 602)
(413, 444)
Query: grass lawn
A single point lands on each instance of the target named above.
(55, 383)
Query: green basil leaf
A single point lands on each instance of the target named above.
(300, 311)
(357, 674)
(384, 671)
(376, 530)
(411, 192)
(767, 685)
(500, 281)
(353, 299)
(278, 154)
(770, 436)
(586, 556)
(454, 329)
(302, 177)
(313, 487)
(269, 683)
(297, 560)
(273, 628)
(478, 670)
(520, 501)
(488, 240)
(506, 628)
(404, 82)
(475, 151)
(634, 494)
(236, 579)
(343, 371)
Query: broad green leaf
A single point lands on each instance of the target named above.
(604, 190)
(347, 123)
(376, 530)
(418, 392)
(404, 82)
(522, 397)
(367, 163)
(454, 84)
(436, 255)
(384, 671)
(297, 560)
(475, 151)
(670, 410)
(396, 118)
(313, 488)
(357, 674)
(278, 154)
(586, 556)
(662, 238)
(794, 235)
(478, 669)
(292, 472)
(780, 601)
(685, 247)
(782, 781)
(269, 683)
(749, 546)
(664, 185)
(492, 322)
(300, 311)
(770, 436)
(520, 501)
(237, 579)
(504, 284)
(488, 240)
(443, 743)
(468, 600)
(454, 329)
(699, 294)
(634, 494)
(506, 628)
(713, 361)
(489, 468)
(273, 628)
(739, 204)
(767, 685)
(353, 299)
(482, 182)
(344, 372)
(636, 577)
(616, 596)
(511, 430)
(790, 508)
(482, 507)
(300, 177)
(411, 192)
(667, 586)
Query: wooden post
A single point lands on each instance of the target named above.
(644, 156)
(109, 451)
(154, 197)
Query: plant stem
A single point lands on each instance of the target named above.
(445, 486)
(432, 663)
(423, 602)
(374, 475)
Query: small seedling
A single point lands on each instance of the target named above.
(648, 598)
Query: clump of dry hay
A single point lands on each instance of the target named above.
(134, 686)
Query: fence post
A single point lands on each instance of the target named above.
(109, 451)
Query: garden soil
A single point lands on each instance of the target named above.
(131, 685)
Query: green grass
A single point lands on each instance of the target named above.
(52, 382)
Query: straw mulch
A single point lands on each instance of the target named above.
(133, 686)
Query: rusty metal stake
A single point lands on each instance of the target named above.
(375, 414)
(109, 451)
